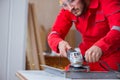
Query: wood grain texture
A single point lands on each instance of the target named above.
(33, 54)
(37, 36)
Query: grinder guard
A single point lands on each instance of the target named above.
(76, 60)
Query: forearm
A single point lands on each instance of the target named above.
(53, 41)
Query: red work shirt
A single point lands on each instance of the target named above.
(96, 27)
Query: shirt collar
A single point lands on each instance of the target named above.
(93, 4)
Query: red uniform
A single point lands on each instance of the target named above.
(99, 26)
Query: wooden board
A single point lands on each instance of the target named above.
(29, 55)
(31, 42)
(38, 39)
(43, 36)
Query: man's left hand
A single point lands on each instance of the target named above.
(93, 54)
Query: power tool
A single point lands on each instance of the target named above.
(76, 61)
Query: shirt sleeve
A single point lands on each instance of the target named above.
(59, 29)
(111, 42)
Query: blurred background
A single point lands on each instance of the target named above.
(25, 25)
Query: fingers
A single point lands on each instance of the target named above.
(98, 57)
(63, 52)
(91, 57)
(68, 46)
(63, 47)
(93, 54)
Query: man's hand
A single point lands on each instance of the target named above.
(63, 47)
(93, 54)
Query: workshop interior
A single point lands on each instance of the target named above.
(25, 52)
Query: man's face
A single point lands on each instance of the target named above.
(74, 6)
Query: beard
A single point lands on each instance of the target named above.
(81, 10)
(77, 11)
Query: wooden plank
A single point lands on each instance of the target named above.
(48, 47)
(43, 35)
(33, 39)
(29, 54)
(38, 39)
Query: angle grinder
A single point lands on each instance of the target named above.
(76, 61)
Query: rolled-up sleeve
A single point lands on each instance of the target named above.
(111, 42)
(59, 29)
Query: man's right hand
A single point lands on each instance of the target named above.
(63, 46)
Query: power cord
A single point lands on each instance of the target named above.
(108, 68)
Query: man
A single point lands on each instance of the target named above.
(99, 23)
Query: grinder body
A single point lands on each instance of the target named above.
(75, 58)
(76, 61)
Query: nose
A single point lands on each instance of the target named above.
(70, 8)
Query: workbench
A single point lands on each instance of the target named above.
(42, 75)
(37, 75)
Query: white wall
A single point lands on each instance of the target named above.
(4, 17)
(13, 16)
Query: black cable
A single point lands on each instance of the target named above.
(107, 68)
(110, 69)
